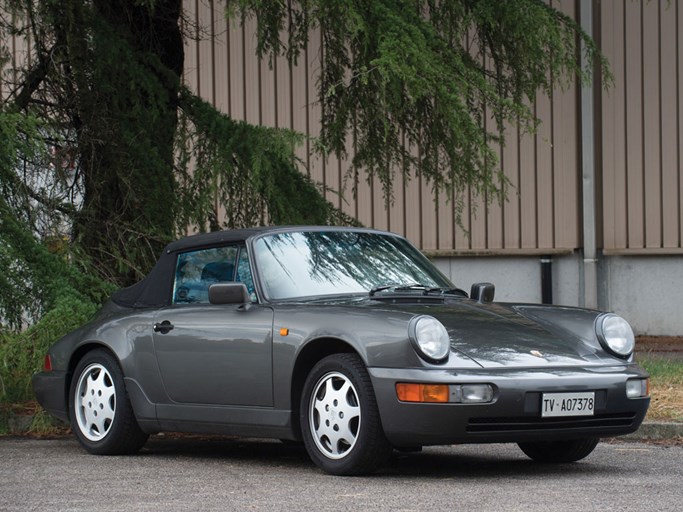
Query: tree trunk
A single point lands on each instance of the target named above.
(127, 87)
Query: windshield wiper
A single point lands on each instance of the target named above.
(380, 288)
(426, 290)
(397, 287)
(416, 286)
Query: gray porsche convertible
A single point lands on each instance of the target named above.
(348, 340)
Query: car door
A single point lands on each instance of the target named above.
(214, 354)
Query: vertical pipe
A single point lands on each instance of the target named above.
(547, 279)
(589, 275)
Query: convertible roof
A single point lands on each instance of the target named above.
(155, 289)
(214, 238)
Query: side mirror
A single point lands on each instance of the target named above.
(482, 292)
(229, 293)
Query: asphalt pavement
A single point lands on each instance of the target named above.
(177, 474)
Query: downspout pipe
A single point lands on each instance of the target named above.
(589, 274)
(547, 279)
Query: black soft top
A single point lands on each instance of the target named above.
(155, 289)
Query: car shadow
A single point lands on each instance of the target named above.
(263, 451)
(432, 462)
(451, 462)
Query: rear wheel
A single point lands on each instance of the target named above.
(340, 422)
(559, 451)
(101, 415)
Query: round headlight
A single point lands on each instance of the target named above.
(616, 335)
(430, 338)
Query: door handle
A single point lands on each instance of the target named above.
(164, 327)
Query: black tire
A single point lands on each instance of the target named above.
(99, 408)
(340, 387)
(559, 451)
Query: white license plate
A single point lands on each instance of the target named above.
(567, 404)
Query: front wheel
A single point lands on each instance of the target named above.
(340, 422)
(101, 415)
(559, 451)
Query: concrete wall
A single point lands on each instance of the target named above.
(646, 290)
(643, 289)
(517, 279)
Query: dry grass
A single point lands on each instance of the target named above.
(666, 386)
(666, 404)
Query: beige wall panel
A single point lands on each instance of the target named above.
(19, 48)
(252, 74)
(349, 204)
(380, 212)
(634, 126)
(527, 190)
(614, 206)
(315, 62)
(641, 118)
(679, 89)
(494, 213)
(191, 71)
(445, 218)
(398, 207)
(413, 206)
(477, 225)
(300, 103)
(332, 179)
(462, 239)
(429, 223)
(221, 59)
(494, 225)
(544, 173)
(494, 228)
(413, 209)
(511, 207)
(283, 73)
(236, 83)
(566, 168)
(364, 201)
(269, 85)
(205, 51)
(670, 201)
(651, 125)
(566, 152)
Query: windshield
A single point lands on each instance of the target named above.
(312, 263)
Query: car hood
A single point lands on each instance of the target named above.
(506, 335)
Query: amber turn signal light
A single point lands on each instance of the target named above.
(432, 393)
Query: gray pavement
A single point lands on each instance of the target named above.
(173, 474)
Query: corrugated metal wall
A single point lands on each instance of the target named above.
(18, 54)
(542, 211)
(639, 133)
(641, 126)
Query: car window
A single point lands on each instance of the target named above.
(197, 270)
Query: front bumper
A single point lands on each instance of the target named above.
(50, 391)
(515, 413)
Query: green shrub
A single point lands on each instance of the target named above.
(22, 353)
